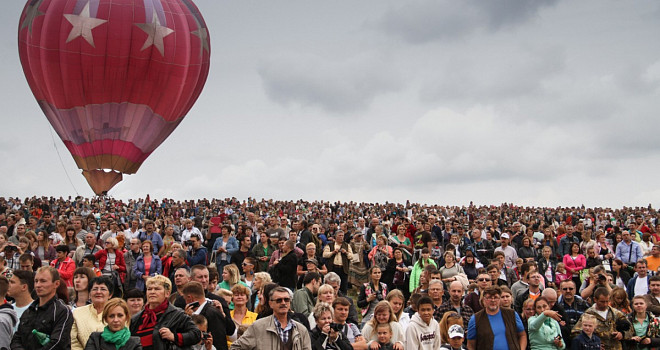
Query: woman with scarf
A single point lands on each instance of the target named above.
(161, 325)
(371, 294)
(115, 335)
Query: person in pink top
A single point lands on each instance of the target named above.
(575, 262)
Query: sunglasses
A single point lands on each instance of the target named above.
(567, 289)
(484, 280)
(281, 300)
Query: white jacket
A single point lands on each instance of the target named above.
(422, 336)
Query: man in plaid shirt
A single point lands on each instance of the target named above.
(455, 304)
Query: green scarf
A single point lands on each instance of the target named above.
(118, 338)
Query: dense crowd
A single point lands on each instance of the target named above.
(103, 273)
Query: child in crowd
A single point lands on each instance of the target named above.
(384, 331)
(456, 335)
(436, 251)
(227, 295)
(207, 339)
(423, 332)
(587, 340)
(471, 288)
(89, 261)
(561, 274)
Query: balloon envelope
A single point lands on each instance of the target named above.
(113, 77)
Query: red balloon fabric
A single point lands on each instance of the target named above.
(113, 77)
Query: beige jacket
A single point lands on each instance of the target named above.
(85, 322)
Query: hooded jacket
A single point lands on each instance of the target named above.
(420, 335)
(8, 321)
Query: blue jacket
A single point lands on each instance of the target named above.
(138, 269)
(582, 342)
(197, 257)
(231, 246)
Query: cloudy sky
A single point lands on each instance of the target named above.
(532, 102)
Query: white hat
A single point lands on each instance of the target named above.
(505, 235)
(456, 331)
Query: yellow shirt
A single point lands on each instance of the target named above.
(248, 319)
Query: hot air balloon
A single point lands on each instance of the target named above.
(113, 77)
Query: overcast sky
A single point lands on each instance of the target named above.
(533, 102)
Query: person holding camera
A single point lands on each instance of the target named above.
(371, 293)
(196, 251)
(327, 334)
(207, 338)
(197, 304)
(597, 278)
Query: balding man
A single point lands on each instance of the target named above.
(551, 296)
(455, 303)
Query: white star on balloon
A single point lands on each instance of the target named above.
(31, 13)
(83, 25)
(203, 35)
(155, 33)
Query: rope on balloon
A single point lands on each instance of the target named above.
(61, 161)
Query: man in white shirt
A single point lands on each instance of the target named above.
(639, 285)
(190, 231)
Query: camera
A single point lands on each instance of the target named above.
(379, 297)
(189, 243)
(205, 335)
(336, 327)
(602, 278)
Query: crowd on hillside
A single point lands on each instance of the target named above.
(101, 273)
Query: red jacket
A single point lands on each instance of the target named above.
(102, 256)
(66, 269)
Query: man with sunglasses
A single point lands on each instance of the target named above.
(573, 305)
(472, 299)
(277, 331)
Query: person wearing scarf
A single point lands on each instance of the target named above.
(115, 335)
(160, 324)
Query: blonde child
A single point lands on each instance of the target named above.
(561, 274)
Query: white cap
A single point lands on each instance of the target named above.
(456, 331)
(505, 235)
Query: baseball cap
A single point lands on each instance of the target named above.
(505, 235)
(313, 261)
(456, 331)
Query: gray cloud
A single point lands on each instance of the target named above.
(423, 21)
(334, 86)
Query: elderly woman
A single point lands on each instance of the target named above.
(161, 325)
(260, 278)
(116, 334)
(111, 260)
(148, 264)
(326, 294)
(240, 314)
(88, 319)
(323, 336)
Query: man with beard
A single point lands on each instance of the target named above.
(495, 328)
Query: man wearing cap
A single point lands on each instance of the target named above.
(510, 254)
(456, 335)
(303, 299)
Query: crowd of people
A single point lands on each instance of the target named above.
(102, 273)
